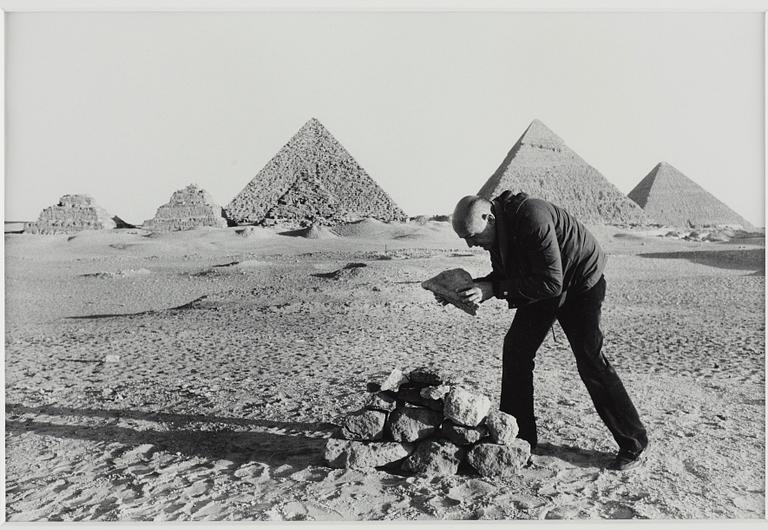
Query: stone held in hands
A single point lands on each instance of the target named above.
(364, 455)
(494, 460)
(461, 435)
(409, 424)
(448, 284)
(364, 424)
(465, 407)
(502, 427)
(434, 457)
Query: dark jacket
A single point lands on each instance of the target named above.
(541, 251)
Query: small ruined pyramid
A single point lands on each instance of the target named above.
(74, 213)
(671, 198)
(312, 179)
(191, 207)
(541, 165)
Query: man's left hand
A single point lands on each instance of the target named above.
(481, 292)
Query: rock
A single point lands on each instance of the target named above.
(381, 401)
(409, 424)
(461, 435)
(364, 455)
(493, 460)
(434, 457)
(394, 380)
(465, 407)
(111, 358)
(364, 425)
(424, 376)
(448, 283)
(502, 427)
(191, 207)
(435, 392)
(414, 397)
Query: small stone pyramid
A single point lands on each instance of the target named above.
(312, 179)
(73, 213)
(671, 198)
(541, 165)
(191, 207)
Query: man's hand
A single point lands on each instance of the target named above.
(481, 292)
(441, 300)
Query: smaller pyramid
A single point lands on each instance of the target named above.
(312, 179)
(671, 198)
(543, 166)
(73, 213)
(191, 207)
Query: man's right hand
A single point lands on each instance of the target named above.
(478, 294)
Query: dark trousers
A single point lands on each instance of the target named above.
(579, 316)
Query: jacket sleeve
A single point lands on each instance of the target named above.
(497, 276)
(537, 247)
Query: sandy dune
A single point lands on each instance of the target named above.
(195, 376)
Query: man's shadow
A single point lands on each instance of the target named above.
(298, 443)
(577, 456)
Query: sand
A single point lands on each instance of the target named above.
(204, 389)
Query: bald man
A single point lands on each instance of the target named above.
(548, 266)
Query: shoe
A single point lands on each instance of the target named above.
(532, 440)
(626, 460)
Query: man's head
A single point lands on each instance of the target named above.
(474, 223)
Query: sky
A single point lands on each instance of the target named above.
(129, 107)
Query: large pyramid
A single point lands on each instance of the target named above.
(191, 207)
(71, 214)
(672, 198)
(312, 179)
(541, 165)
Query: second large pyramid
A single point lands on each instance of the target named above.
(312, 179)
(541, 165)
(671, 198)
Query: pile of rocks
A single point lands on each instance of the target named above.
(418, 423)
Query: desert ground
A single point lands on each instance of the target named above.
(197, 375)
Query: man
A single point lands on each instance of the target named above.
(548, 266)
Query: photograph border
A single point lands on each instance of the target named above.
(382, 6)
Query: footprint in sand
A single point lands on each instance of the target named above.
(617, 510)
(310, 475)
(568, 511)
(198, 488)
(254, 473)
(470, 490)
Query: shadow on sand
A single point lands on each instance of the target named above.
(216, 442)
(194, 304)
(752, 259)
(576, 456)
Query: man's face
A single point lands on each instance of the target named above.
(484, 238)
